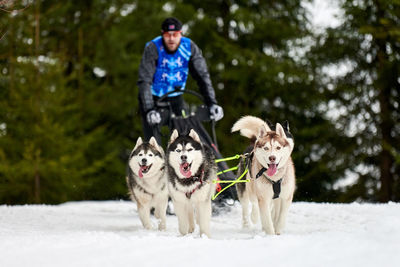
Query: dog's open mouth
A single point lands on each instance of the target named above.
(185, 169)
(144, 169)
(272, 168)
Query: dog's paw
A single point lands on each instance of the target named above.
(269, 230)
(205, 235)
(246, 226)
(161, 226)
(148, 226)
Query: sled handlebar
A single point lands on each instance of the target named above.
(160, 102)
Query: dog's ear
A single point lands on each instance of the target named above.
(194, 135)
(285, 126)
(263, 130)
(153, 142)
(280, 130)
(269, 123)
(173, 137)
(138, 143)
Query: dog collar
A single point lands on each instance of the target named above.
(276, 185)
(199, 178)
(263, 169)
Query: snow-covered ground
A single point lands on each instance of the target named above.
(110, 234)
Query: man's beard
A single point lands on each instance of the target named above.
(168, 50)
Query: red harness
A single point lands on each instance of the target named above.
(200, 178)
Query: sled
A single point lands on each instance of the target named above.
(194, 119)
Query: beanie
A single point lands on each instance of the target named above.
(171, 24)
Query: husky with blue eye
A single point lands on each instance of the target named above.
(271, 173)
(147, 181)
(191, 169)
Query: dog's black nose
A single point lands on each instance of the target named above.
(272, 158)
(144, 161)
(183, 157)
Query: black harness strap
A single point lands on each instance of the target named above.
(276, 186)
(263, 169)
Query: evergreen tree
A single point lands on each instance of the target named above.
(367, 95)
(68, 95)
(254, 52)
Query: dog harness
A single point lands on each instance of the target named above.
(196, 178)
(276, 185)
(172, 68)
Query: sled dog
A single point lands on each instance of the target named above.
(271, 174)
(191, 168)
(147, 181)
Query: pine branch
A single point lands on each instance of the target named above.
(6, 4)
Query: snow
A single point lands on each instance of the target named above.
(109, 233)
(324, 13)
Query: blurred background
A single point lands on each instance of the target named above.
(68, 96)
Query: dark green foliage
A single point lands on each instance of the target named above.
(68, 95)
(368, 42)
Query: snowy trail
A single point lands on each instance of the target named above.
(110, 234)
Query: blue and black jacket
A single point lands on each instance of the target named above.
(160, 71)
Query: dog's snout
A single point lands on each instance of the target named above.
(272, 158)
(144, 161)
(184, 158)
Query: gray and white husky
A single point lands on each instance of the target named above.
(271, 174)
(147, 181)
(191, 168)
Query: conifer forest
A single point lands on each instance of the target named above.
(69, 110)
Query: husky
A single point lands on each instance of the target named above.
(147, 181)
(191, 168)
(271, 173)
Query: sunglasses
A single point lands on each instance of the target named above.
(171, 34)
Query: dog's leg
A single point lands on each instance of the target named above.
(161, 211)
(204, 210)
(266, 218)
(276, 210)
(144, 214)
(254, 211)
(183, 220)
(281, 220)
(244, 200)
(243, 195)
(190, 211)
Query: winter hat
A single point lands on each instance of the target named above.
(171, 24)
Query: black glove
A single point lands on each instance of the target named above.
(216, 112)
(153, 117)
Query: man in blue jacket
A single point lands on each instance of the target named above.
(166, 62)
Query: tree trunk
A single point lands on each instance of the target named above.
(387, 77)
(37, 43)
(386, 158)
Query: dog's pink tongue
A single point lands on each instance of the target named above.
(186, 173)
(141, 171)
(271, 169)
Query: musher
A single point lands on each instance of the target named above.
(164, 67)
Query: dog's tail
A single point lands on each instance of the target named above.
(249, 126)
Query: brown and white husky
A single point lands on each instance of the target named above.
(271, 174)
